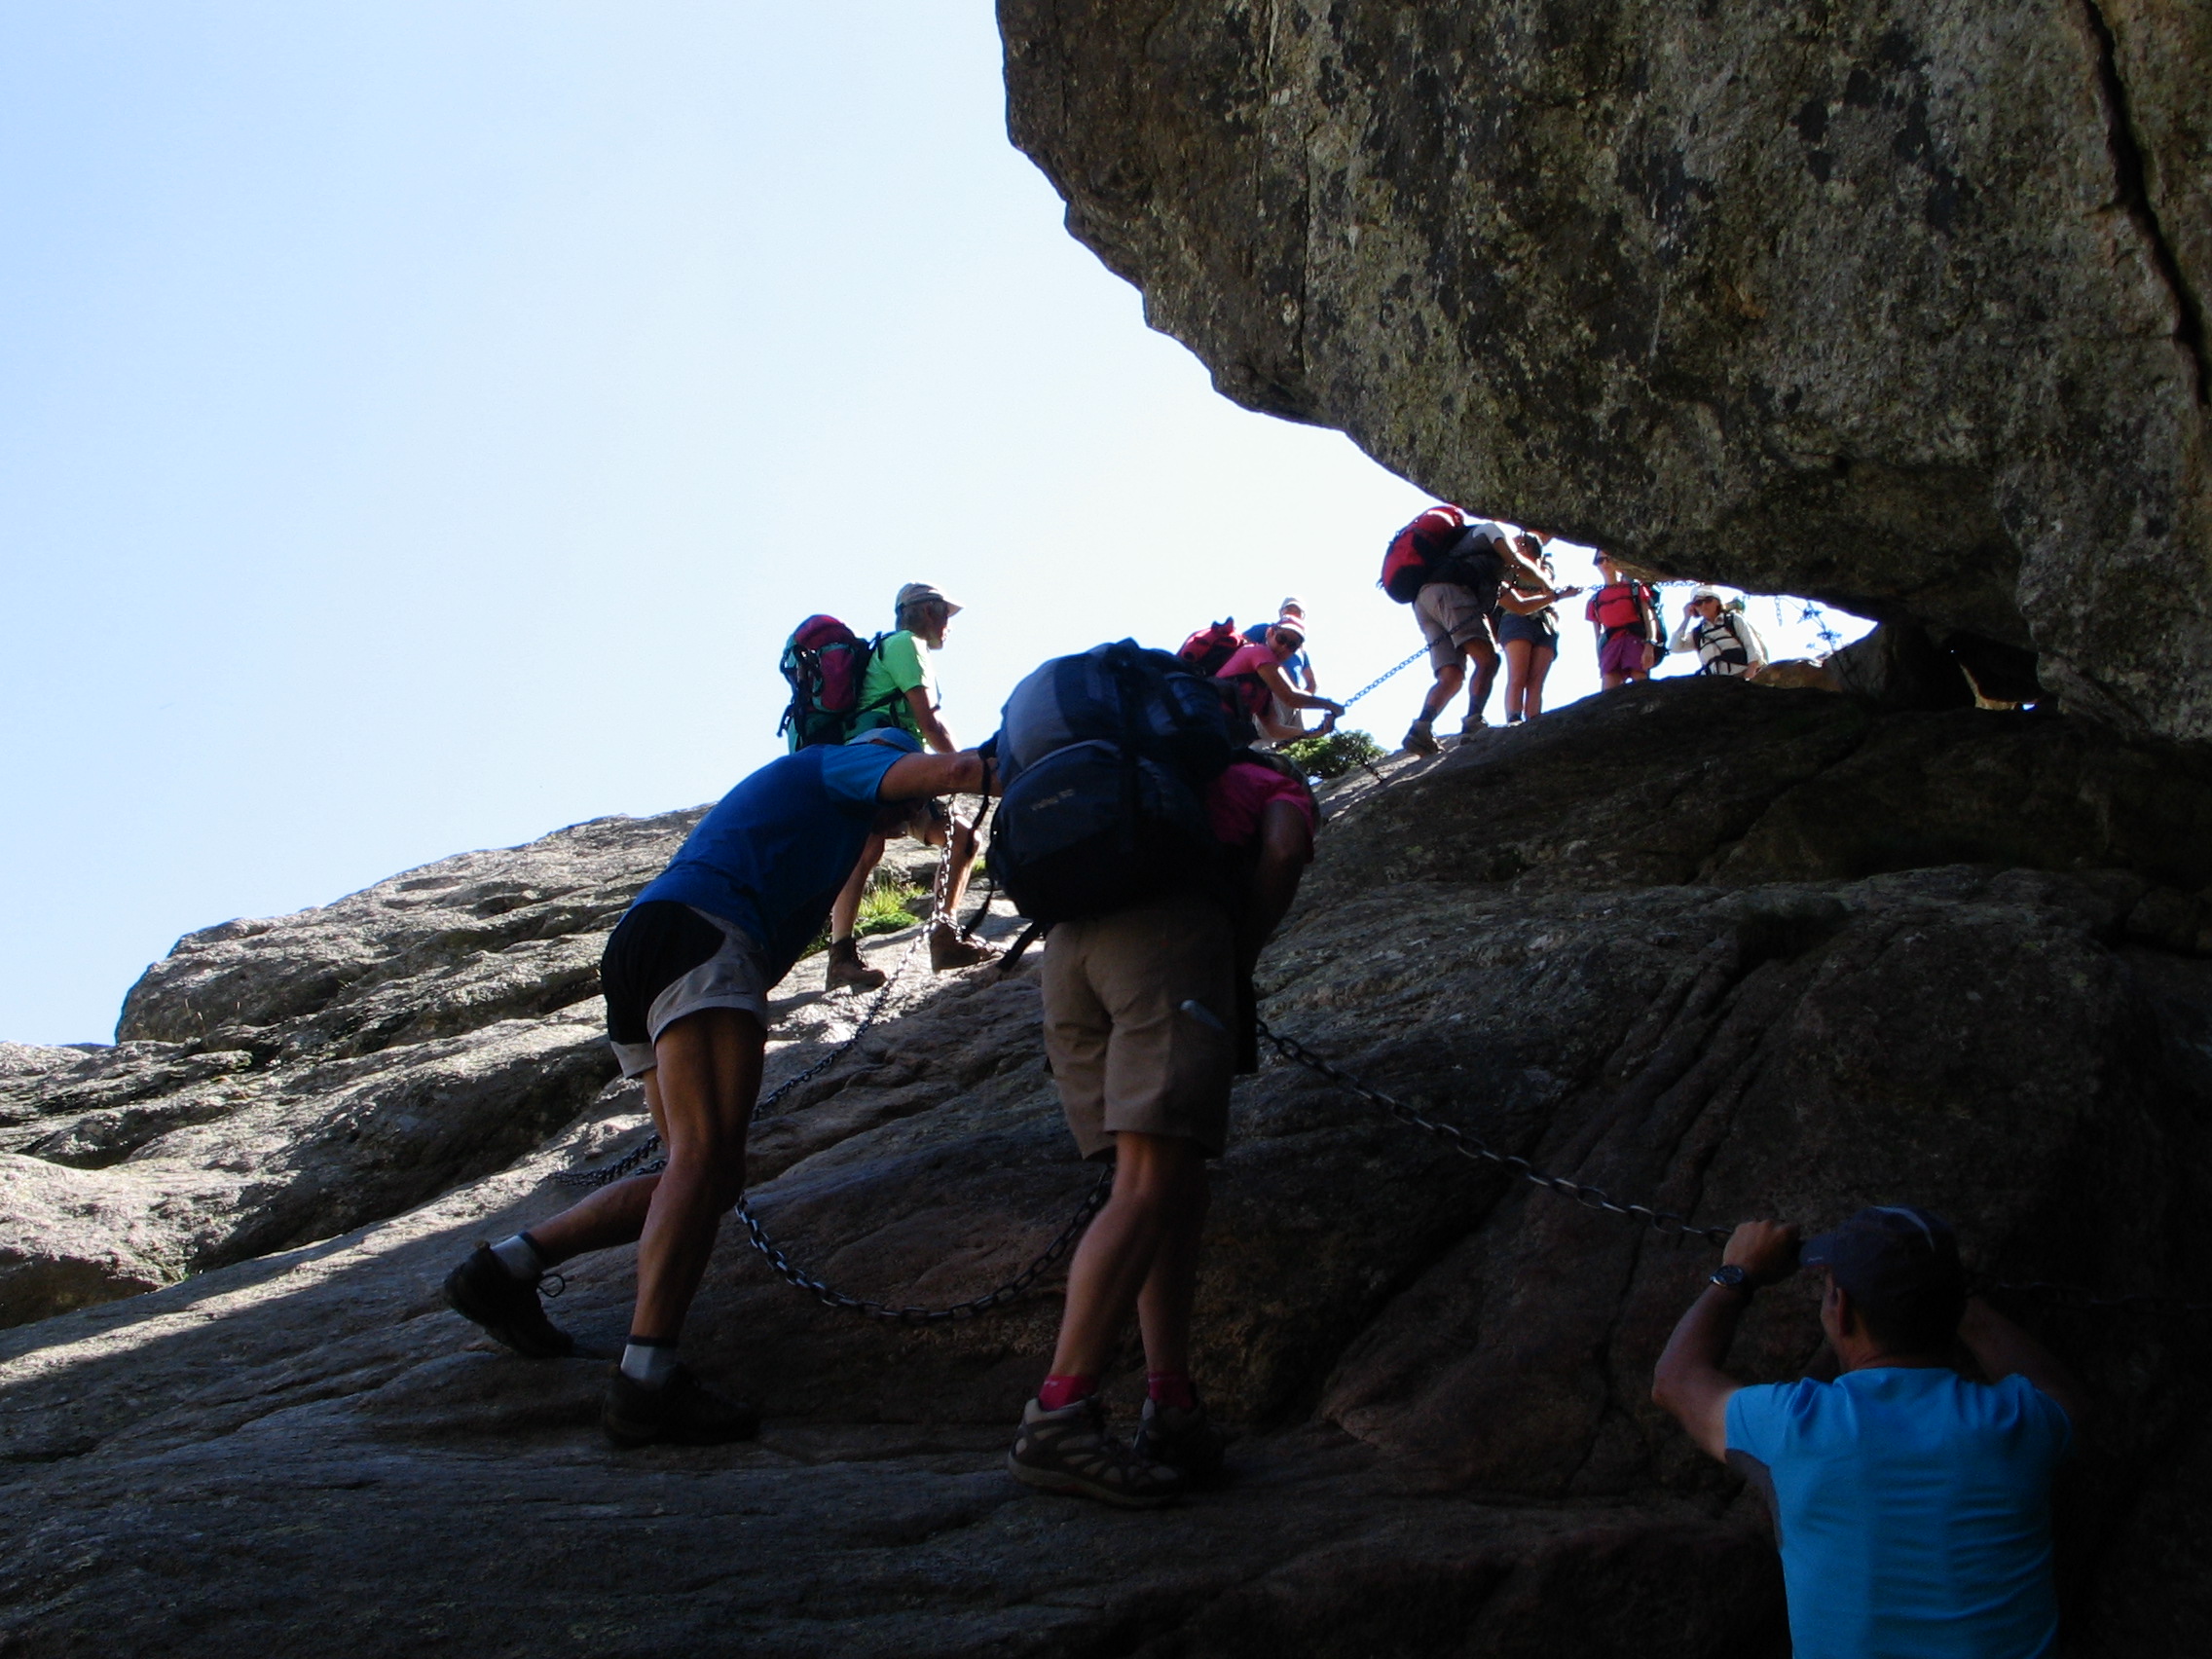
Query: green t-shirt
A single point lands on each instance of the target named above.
(901, 664)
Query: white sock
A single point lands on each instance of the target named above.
(648, 1362)
(520, 1258)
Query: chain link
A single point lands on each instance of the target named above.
(989, 1302)
(1472, 1146)
(1388, 674)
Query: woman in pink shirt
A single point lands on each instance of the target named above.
(1264, 685)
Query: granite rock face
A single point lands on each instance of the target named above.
(1900, 306)
(1683, 941)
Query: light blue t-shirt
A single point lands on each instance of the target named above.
(773, 853)
(1913, 1508)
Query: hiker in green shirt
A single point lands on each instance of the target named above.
(900, 689)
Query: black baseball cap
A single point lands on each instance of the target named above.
(1890, 1254)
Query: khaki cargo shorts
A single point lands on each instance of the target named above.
(1453, 619)
(1139, 1007)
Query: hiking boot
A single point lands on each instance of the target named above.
(1186, 1441)
(682, 1412)
(482, 1290)
(948, 951)
(1474, 725)
(1420, 739)
(847, 971)
(1070, 1451)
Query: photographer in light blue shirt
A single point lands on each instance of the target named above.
(1912, 1506)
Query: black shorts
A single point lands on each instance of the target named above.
(665, 960)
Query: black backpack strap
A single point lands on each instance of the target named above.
(1030, 934)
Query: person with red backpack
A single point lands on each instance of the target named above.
(1624, 616)
(1449, 572)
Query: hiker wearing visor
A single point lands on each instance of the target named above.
(1912, 1505)
(1265, 689)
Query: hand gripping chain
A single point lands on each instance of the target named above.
(1473, 1147)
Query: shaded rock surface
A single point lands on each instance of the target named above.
(1900, 306)
(1643, 941)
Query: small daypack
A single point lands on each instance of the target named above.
(1622, 606)
(825, 662)
(1209, 648)
(1417, 551)
(1102, 758)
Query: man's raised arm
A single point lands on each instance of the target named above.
(913, 776)
(1689, 1382)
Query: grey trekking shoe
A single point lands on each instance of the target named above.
(682, 1412)
(1474, 725)
(1420, 740)
(1187, 1442)
(1070, 1451)
(482, 1290)
(847, 971)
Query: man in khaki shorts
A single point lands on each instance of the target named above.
(1453, 610)
(1141, 1008)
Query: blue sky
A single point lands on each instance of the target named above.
(420, 425)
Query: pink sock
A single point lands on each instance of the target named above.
(1059, 1392)
(1172, 1388)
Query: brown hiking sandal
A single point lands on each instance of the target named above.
(1189, 1442)
(682, 1412)
(848, 973)
(482, 1290)
(948, 951)
(1420, 740)
(1070, 1451)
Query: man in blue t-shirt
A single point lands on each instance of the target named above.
(1912, 1505)
(686, 975)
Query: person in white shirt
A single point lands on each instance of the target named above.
(1724, 640)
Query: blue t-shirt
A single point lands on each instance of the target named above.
(1913, 1508)
(771, 856)
(1295, 663)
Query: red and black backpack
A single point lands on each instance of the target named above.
(1418, 550)
(825, 662)
(1212, 646)
(1625, 606)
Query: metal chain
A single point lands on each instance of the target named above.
(799, 1278)
(1390, 674)
(2058, 1296)
(1472, 1146)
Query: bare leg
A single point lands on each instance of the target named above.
(1486, 676)
(1448, 682)
(845, 909)
(1159, 1181)
(1515, 676)
(1164, 1305)
(707, 1078)
(1541, 659)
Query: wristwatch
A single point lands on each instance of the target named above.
(1733, 1278)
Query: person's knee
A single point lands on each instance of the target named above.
(1157, 1169)
(1449, 680)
